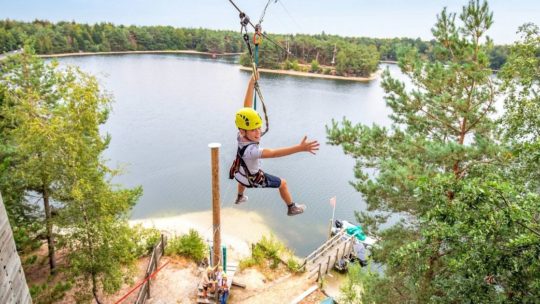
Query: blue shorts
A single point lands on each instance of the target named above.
(270, 181)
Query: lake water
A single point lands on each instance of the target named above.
(168, 108)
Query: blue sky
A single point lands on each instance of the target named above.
(375, 18)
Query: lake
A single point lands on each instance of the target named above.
(168, 108)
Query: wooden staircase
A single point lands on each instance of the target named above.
(213, 296)
(322, 260)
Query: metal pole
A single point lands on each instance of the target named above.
(216, 219)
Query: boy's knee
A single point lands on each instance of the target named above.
(283, 183)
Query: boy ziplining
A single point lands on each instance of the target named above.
(246, 168)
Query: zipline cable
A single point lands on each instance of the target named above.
(264, 11)
(242, 15)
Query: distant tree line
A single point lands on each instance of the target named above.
(357, 56)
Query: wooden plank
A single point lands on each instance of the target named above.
(12, 280)
(238, 284)
(304, 294)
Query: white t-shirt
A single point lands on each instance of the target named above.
(252, 156)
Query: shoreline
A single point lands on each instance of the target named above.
(190, 52)
(210, 54)
(313, 75)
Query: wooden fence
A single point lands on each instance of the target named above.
(13, 287)
(157, 253)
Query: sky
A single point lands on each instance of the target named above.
(359, 18)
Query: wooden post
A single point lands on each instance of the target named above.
(216, 219)
(330, 229)
(328, 264)
(148, 285)
(162, 245)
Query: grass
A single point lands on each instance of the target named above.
(268, 254)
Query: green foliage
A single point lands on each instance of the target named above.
(30, 260)
(295, 66)
(269, 251)
(190, 245)
(315, 66)
(351, 291)
(62, 37)
(357, 60)
(51, 118)
(146, 239)
(467, 195)
(47, 294)
(293, 265)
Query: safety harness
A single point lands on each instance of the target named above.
(254, 180)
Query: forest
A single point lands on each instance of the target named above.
(349, 56)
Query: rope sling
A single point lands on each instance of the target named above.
(254, 56)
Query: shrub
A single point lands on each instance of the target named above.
(315, 67)
(295, 66)
(293, 265)
(146, 239)
(48, 294)
(287, 65)
(190, 245)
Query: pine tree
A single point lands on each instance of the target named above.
(467, 231)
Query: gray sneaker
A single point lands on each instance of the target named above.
(295, 209)
(241, 199)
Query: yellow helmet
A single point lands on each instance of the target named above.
(248, 119)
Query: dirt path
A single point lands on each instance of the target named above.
(283, 290)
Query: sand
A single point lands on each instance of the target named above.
(239, 228)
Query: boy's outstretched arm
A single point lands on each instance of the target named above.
(248, 100)
(303, 146)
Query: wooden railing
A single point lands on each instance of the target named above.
(322, 260)
(157, 253)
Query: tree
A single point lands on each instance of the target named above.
(467, 232)
(357, 60)
(30, 127)
(94, 216)
(50, 123)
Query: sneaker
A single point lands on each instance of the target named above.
(241, 199)
(295, 209)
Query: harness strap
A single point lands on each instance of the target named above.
(253, 179)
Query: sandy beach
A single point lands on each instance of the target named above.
(192, 52)
(239, 228)
(314, 75)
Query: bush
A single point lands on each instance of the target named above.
(189, 245)
(315, 67)
(293, 265)
(146, 239)
(287, 65)
(295, 66)
(47, 294)
(327, 71)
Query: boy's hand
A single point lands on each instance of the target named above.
(309, 146)
(254, 77)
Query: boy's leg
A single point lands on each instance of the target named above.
(241, 189)
(284, 192)
(241, 198)
(292, 208)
